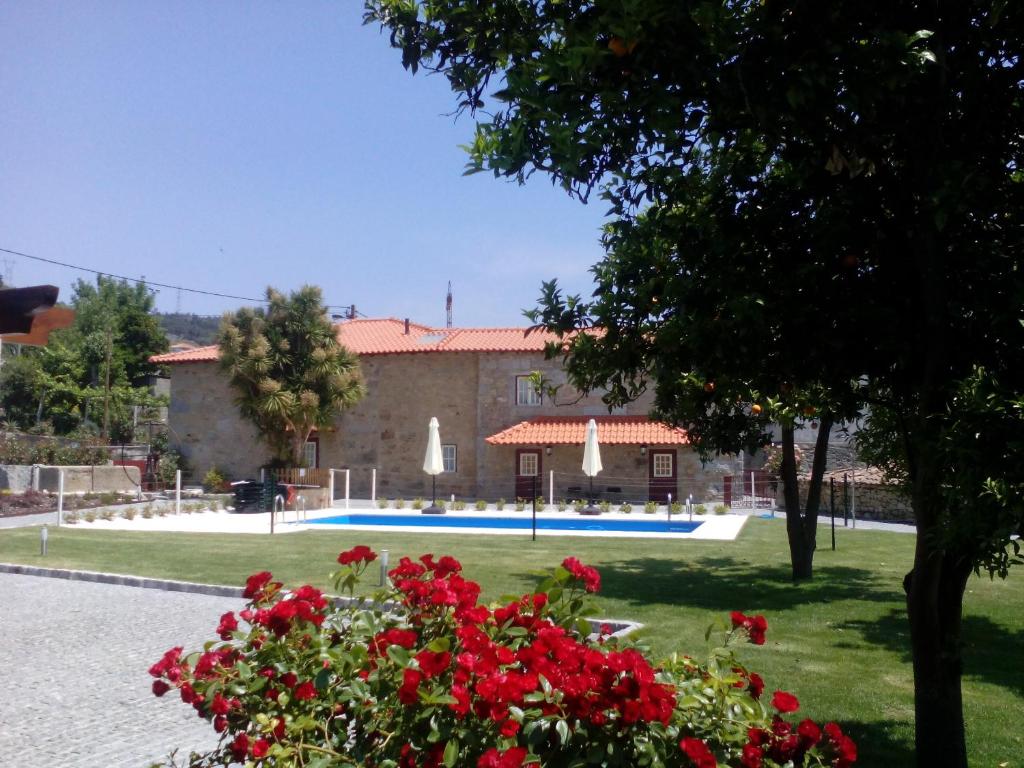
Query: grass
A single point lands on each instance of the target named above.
(839, 643)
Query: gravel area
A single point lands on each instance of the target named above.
(74, 658)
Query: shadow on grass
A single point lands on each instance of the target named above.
(722, 583)
(882, 742)
(990, 650)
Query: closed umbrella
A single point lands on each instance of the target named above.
(433, 464)
(591, 464)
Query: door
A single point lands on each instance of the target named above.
(663, 476)
(528, 472)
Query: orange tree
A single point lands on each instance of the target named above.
(814, 208)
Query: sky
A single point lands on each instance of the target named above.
(228, 146)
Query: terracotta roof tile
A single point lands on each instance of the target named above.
(196, 355)
(572, 430)
(387, 336)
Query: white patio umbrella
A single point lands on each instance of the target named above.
(433, 464)
(591, 463)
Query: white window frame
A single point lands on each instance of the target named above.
(527, 393)
(450, 457)
(534, 459)
(315, 446)
(659, 471)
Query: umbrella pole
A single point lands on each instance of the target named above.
(433, 490)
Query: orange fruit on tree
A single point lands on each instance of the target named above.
(709, 387)
(755, 409)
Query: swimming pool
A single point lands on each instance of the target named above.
(544, 523)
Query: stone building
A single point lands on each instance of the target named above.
(501, 437)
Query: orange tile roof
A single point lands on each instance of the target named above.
(572, 430)
(387, 336)
(197, 355)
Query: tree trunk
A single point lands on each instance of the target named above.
(802, 524)
(935, 592)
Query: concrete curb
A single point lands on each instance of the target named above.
(620, 627)
(167, 585)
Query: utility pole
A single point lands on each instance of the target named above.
(106, 386)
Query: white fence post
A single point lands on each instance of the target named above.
(753, 492)
(853, 495)
(551, 487)
(177, 491)
(348, 475)
(60, 496)
(330, 488)
(373, 485)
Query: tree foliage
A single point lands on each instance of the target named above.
(289, 373)
(814, 206)
(98, 366)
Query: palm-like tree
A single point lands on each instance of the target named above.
(289, 373)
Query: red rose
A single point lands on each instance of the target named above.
(785, 702)
(408, 692)
(228, 624)
(254, 584)
(698, 752)
(756, 685)
(305, 691)
(510, 758)
(240, 748)
(752, 757)
(260, 748)
(809, 732)
(358, 554)
(160, 687)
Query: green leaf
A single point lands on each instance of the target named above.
(562, 729)
(451, 753)
(398, 655)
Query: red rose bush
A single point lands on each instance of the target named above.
(422, 675)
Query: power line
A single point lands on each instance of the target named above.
(150, 282)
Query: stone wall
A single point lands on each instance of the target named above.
(473, 395)
(869, 501)
(207, 428)
(99, 479)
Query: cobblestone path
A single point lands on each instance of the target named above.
(73, 668)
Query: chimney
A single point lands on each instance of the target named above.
(407, 326)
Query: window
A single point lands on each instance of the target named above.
(526, 391)
(311, 453)
(449, 454)
(527, 464)
(663, 464)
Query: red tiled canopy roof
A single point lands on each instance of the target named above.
(572, 430)
(388, 337)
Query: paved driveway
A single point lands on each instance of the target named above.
(73, 661)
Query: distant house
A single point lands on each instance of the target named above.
(501, 437)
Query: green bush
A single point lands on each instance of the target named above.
(677, 507)
(650, 507)
(499, 504)
(625, 507)
(700, 509)
(213, 480)
(71, 518)
(417, 503)
(89, 516)
(721, 509)
(605, 506)
(399, 503)
(298, 679)
(520, 505)
(579, 505)
(382, 503)
(480, 505)
(128, 513)
(458, 505)
(562, 505)
(16, 450)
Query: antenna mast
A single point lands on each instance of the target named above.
(448, 304)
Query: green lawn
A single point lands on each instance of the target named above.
(840, 643)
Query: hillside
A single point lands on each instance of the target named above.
(180, 326)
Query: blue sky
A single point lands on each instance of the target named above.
(228, 145)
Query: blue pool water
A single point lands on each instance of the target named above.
(520, 523)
